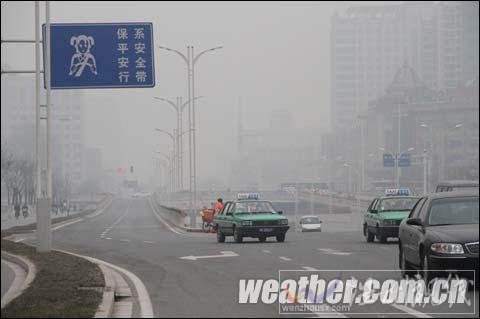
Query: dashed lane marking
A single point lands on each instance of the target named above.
(285, 258)
(310, 268)
(411, 311)
(333, 252)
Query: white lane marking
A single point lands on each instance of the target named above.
(222, 254)
(146, 309)
(108, 229)
(330, 315)
(411, 311)
(148, 242)
(333, 252)
(125, 240)
(285, 258)
(108, 238)
(19, 240)
(162, 220)
(310, 268)
(69, 223)
(267, 251)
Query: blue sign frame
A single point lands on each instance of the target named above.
(101, 55)
(388, 160)
(404, 160)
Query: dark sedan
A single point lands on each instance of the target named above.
(441, 233)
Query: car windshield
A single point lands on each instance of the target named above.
(397, 204)
(254, 207)
(310, 220)
(451, 211)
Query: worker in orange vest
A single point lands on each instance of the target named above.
(218, 206)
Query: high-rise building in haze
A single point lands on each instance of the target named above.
(370, 43)
(18, 126)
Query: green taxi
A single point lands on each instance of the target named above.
(250, 217)
(385, 213)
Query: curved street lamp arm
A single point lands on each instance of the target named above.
(186, 103)
(185, 132)
(177, 52)
(205, 51)
(169, 134)
(166, 100)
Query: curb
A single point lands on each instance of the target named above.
(30, 270)
(105, 309)
(146, 309)
(168, 223)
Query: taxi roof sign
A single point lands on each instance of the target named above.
(397, 191)
(243, 196)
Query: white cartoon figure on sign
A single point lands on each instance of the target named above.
(82, 57)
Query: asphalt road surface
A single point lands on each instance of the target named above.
(129, 235)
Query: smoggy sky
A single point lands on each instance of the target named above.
(275, 56)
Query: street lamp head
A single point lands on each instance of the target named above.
(411, 149)
(423, 125)
(458, 125)
(381, 148)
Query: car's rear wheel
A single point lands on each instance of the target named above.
(236, 236)
(262, 239)
(220, 236)
(281, 238)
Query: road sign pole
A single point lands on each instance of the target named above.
(44, 235)
(37, 102)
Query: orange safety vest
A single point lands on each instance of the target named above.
(218, 207)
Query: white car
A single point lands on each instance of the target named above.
(310, 224)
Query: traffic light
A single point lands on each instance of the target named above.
(131, 169)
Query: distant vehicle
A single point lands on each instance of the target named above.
(385, 213)
(250, 217)
(441, 233)
(309, 224)
(448, 186)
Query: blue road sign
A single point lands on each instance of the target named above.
(388, 160)
(101, 55)
(404, 160)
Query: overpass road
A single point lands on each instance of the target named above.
(129, 235)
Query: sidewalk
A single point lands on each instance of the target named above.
(9, 220)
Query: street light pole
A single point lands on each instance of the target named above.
(179, 108)
(190, 60)
(172, 136)
(194, 61)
